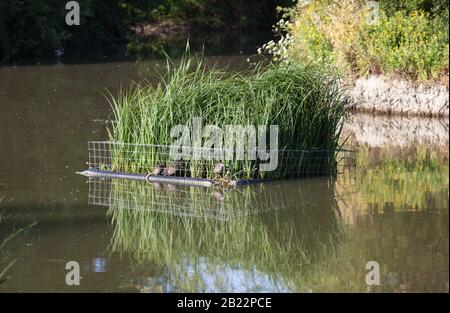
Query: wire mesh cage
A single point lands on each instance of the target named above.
(213, 164)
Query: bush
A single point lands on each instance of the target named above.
(410, 39)
(406, 43)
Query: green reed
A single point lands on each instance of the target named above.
(303, 100)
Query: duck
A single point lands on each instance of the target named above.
(218, 169)
(158, 169)
(171, 170)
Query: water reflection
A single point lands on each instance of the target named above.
(300, 235)
(257, 238)
(396, 131)
(396, 207)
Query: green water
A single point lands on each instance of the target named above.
(314, 234)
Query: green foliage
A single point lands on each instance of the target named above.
(434, 7)
(35, 27)
(412, 44)
(410, 38)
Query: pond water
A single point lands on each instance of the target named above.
(312, 234)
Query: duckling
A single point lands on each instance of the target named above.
(218, 169)
(158, 169)
(171, 170)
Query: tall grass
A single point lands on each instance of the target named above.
(304, 101)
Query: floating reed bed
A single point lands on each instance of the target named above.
(304, 101)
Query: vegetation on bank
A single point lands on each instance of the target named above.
(304, 101)
(37, 27)
(406, 38)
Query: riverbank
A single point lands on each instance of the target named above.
(394, 56)
(372, 94)
(376, 94)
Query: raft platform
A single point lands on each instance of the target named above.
(176, 180)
